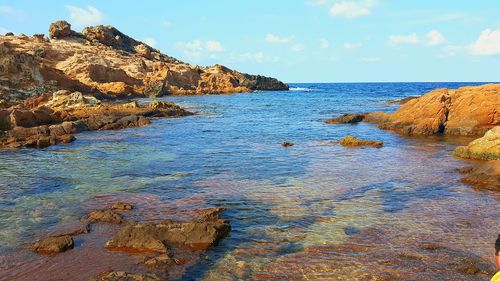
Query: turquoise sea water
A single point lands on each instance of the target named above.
(280, 200)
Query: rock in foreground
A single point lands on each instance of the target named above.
(197, 234)
(485, 148)
(352, 141)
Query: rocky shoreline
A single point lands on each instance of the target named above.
(467, 111)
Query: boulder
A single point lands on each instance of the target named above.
(485, 148)
(59, 29)
(346, 119)
(53, 245)
(5, 123)
(287, 144)
(66, 100)
(352, 141)
(103, 216)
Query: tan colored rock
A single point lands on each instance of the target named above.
(159, 261)
(105, 216)
(66, 100)
(466, 111)
(485, 148)
(354, 141)
(53, 245)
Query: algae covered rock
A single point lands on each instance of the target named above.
(485, 148)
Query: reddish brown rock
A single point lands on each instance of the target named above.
(346, 119)
(466, 111)
(59, 29)
(104, 216)
(53, 245)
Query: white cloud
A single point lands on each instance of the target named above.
(323, 43)
(404, 39)
(487, 44)
(352, 9)
(352, 45)
(370, 59)
(297, 48)
(253, 57)
(275, 39)
(84, 16)
(150, 41)
(214, 46)
(197, 49)
(434, 38)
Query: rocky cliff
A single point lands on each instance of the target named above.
(104, 62)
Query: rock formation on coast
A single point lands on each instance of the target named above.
(104, 62)
(53, 88)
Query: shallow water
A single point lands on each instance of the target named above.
(283, 203)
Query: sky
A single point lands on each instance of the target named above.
(298, 40)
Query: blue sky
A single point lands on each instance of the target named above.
(299, 40)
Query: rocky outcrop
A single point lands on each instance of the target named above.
(105, 62)
(54, 119)
(485, 148)
(351, 141)
(200, 233)
(466, 111)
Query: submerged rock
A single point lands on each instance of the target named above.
(199, 233)
(483, 176)
(485, 148)
(53, 245)
(122, 206)
(124, 276)
(354, 141)
(105, 216)
(159, 261)
(287, 144)
(346, 119)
